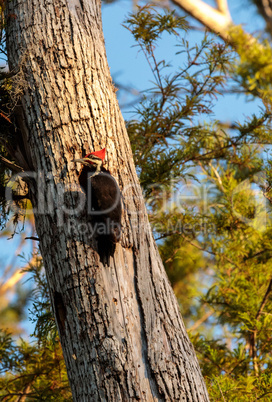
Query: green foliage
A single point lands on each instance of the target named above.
(41, 312)
(200, 180)
(253, 69)
(185, 266)
(147, 26)
(35, 370)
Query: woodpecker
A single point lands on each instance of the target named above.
(103, 200)
(93, 159)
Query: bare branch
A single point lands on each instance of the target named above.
(220, 391)
(265, 298)
(7, 74)
(222, 6)
(253, 339)
(201, 320)
(16, 277)
(26, 391)
(218, 21)
(11, 165)
(254, 352)
(32, 238)
(11, 282)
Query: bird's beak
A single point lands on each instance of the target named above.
(84, 161)
(78, 160)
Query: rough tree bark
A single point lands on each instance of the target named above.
(119, 322)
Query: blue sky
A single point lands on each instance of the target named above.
(129, 66)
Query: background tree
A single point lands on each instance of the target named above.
(244, 322)
(241, 292)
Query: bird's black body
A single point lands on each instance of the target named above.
(103, 205)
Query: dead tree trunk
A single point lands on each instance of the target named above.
(120, 327)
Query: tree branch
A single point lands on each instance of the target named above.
(16, 277)
(11, 165)
(201, 320)
(222, 6)
(265, 298)
(218, 21)
(32, 238)
(254, 352)
(8, 74)
(25, 393)
(253, 340)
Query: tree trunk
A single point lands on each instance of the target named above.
(119, 322)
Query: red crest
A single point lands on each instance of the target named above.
(100, 154)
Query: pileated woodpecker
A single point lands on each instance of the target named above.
(104, 199)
